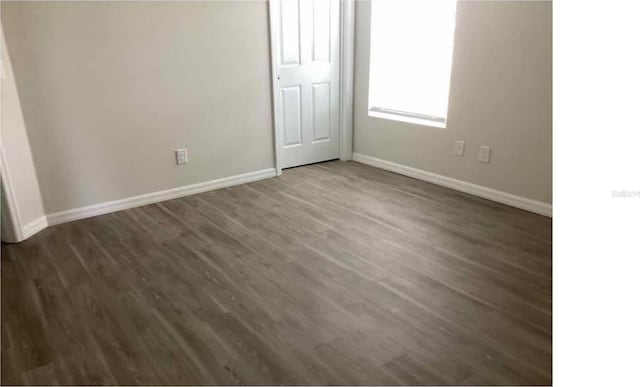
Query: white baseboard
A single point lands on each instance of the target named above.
(155, 197)
(459, 185)
(34, 226)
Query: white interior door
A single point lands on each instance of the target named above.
(306, 39)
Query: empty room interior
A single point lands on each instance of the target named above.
(282, 192)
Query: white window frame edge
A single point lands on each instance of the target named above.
(410, 118)
(347, 36)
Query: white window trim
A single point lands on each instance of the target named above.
(410, 118)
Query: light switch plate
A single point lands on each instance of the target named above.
(485, 154)
(459, 148)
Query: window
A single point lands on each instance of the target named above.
(410, 60)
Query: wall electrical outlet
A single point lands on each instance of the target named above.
(181, 156)
(485, 154)
(459, 148)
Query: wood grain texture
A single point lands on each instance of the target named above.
(334, 273)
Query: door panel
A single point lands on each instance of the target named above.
(292, 116)
(308, 63)
(321, 102)
(290, 32)
(321, 30)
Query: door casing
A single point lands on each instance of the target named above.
(347, 34)
(11, 230)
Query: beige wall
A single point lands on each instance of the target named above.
(500, 97)
(17, 154)
(110, 89)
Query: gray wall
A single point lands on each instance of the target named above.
(110, 89)
(500, 97)
(17, 154)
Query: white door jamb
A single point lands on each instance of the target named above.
(347, 51)
(12, 230)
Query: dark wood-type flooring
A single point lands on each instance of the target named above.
(334, 273)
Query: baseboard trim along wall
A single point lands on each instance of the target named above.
(174, 193)
(34, 226)
(155, 197)
(459, 185)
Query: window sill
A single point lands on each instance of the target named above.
(407, 119)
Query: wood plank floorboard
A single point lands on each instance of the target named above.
(331, 274)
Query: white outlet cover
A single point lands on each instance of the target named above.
(485, 154)
(459, 148)
(181, 156)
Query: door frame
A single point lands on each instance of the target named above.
(12, 230)
(347, 35)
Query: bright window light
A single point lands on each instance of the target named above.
(410, 60)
